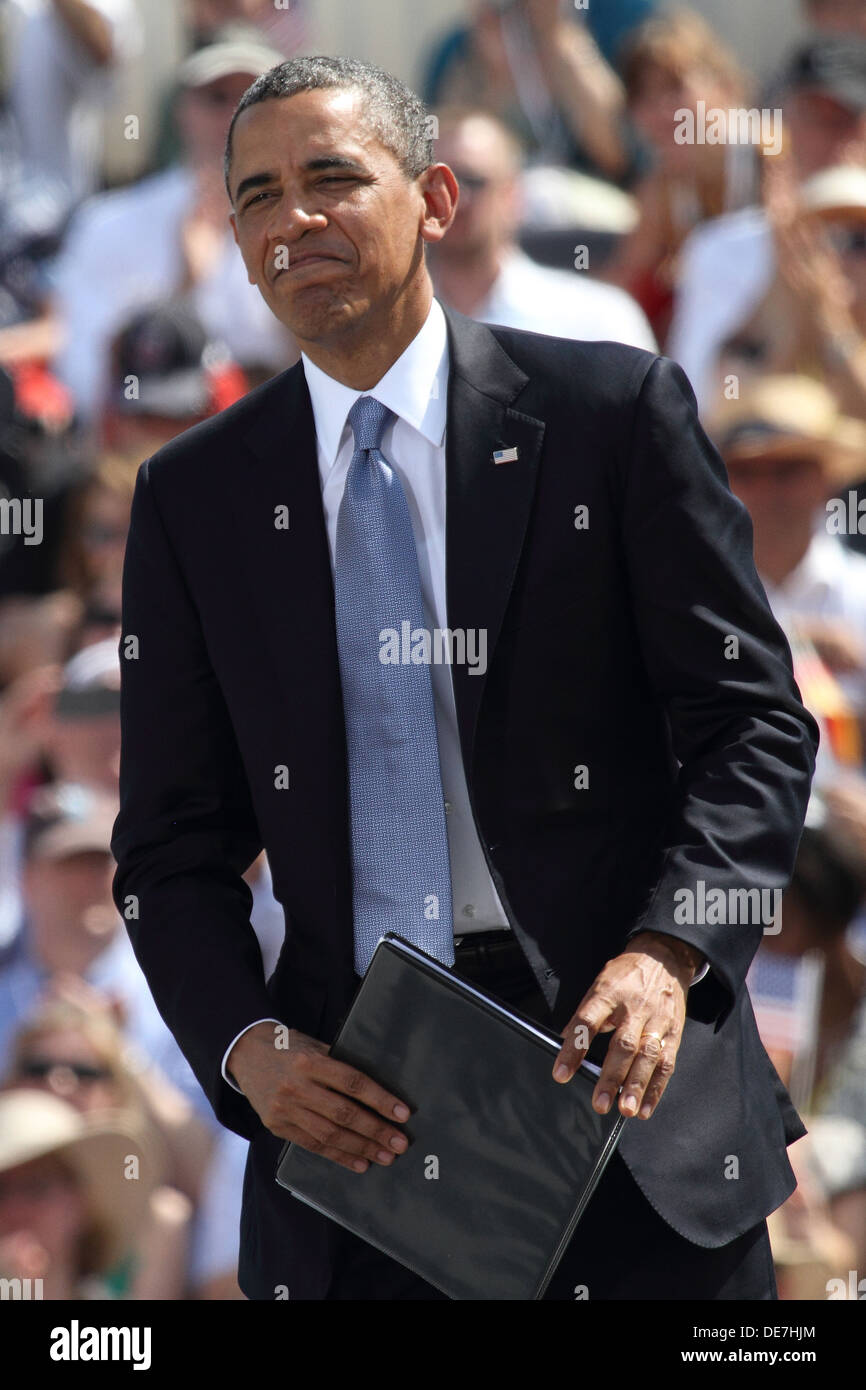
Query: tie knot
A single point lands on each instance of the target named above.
(368, 418)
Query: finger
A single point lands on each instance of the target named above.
(304, 1140)
(647, 1060)
(594, 1011)
(339, 1076)
(660, 1078)
(337, 1109)
(618, 1061)
(327, 1134)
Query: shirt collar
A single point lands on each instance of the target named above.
(414, 387)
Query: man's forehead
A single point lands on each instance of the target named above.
(314, 123)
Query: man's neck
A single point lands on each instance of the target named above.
(465, 283)
(361, 359)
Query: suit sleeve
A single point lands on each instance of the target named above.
(721, 666)
(186, 829)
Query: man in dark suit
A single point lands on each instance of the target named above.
(584, 810)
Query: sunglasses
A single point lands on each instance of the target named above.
(39, 1068)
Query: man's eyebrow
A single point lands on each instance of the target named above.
(253, 181)
(334, 161)
(327, 161)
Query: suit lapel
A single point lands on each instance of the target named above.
(487, 503)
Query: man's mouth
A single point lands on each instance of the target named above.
(307, 259)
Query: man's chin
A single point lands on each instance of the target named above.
(314, 313)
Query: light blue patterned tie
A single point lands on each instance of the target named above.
(401, 867)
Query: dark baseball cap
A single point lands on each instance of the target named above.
(834, 65)
(168, 351)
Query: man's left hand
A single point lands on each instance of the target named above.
(640, 997)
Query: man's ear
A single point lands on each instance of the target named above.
(440, 193)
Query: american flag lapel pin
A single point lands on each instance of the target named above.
(505, 455)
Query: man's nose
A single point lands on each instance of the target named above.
(291, 220)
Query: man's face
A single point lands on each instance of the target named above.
(204, 114)
(779, 492)
(823, 132)
(328, 224)
(487, 212)
(69, 905)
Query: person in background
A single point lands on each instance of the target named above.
(165, 374)
(95, 540)
(72, 1046)
(62, 60)
(480, 270)
(818, 1233)
(167, 237)
(533, 64)
(60, 721)
(68, 1215)
(73, 928)
(728, 264)
(813, 317)
(669, 64)
(788, 450)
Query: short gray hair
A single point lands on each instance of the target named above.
(396, 116)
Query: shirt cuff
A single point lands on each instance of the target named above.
(223, 1068)
(701, 973)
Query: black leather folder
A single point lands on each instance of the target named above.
(502, 1159)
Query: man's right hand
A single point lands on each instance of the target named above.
(301, 1093)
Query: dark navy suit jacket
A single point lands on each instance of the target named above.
(609, 648)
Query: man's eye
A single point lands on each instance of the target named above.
(256, 198)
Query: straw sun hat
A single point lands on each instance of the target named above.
(777, 416)
(97, 1148)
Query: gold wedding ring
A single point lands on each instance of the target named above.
(658, 1036)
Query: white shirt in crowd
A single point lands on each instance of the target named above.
(726, 266)
(565, 304)
(122, 254)
(58, 94)
(829, 582)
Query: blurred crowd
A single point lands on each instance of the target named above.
(589, 208)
